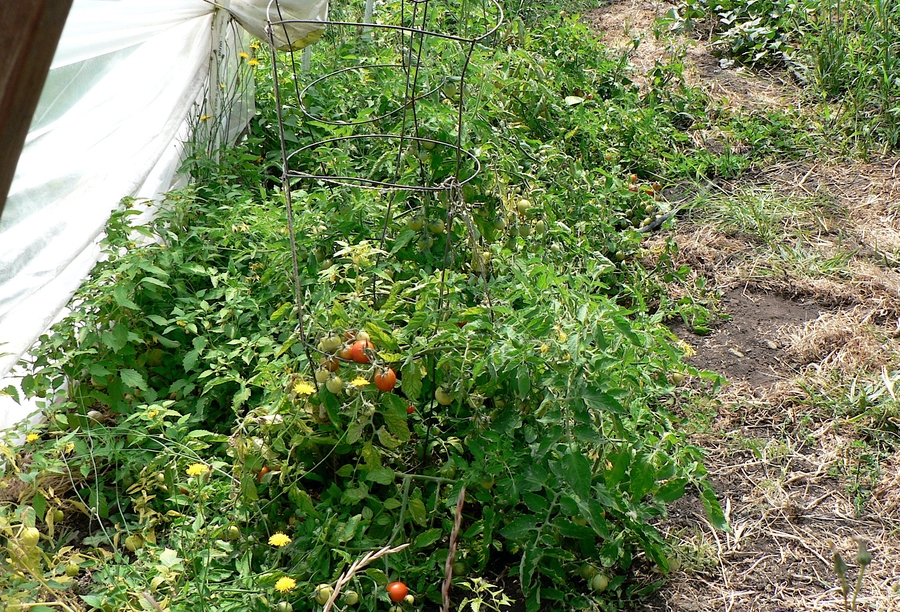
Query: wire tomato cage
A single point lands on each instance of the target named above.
(395, 126)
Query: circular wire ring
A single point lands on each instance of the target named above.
(366, 183)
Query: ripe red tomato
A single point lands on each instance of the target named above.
(345, 353)
(397, 591)
(410, 409)
(385, 380)
(265, 470)
(358, 351)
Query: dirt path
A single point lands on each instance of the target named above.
(793, 472)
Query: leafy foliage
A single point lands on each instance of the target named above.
(200, 403)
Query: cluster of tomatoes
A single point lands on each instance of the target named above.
(354, 348)
(397, 592)
(518, 221)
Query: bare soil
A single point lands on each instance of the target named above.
(793, 476)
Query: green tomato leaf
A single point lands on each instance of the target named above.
(411, 374)
(519, 527)
(416, 509)
(671, 490)
(426, 539)
(713, 509)
(578, 473)
(381, 475)
(393, 409)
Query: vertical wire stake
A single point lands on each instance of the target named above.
(288, 204)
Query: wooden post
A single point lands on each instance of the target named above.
(29, 33)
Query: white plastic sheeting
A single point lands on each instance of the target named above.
(128, 81)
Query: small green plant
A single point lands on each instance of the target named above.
(863, 559)
(483, 596)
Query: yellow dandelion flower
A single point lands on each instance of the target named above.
(243, 55)
(285, 584)
(205, 117)
(253, 62)
(254, 45)
(32, 437)
(359, 381)
(196, 469)
(278, 539)
(304, 388)
(70, 446)
(544, 349)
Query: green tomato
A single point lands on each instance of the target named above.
(233, 532)
(416, 223)
(587, 571)
(351, 598)
(443, 398)
(72, 570)
(30, 537)
(335, 385)
(134, 542)
(322, 593)
(436, 227)
(58, 515)
(460, 568)
(599, 583)
(285, 606)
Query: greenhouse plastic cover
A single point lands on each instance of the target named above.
(129, 80)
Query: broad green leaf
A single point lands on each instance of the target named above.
(599, 400)
(190, 360)
(412, 379)
(523, 381)
(39, 503)
(281, 311)
(349, 530)
(393, 408)
(169, 558)
(386, 440)
(132, 378)
(519, 527)
(426, 539)
(353, 496)
(377, 575)
(713, 509)
(643, 477)
(578, 473)
(381, 475)
(416, 510)
(671, 490)
(120, 295)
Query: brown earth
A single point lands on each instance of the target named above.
(793, 474)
